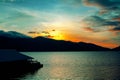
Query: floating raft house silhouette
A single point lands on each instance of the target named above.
(11, 60)
(12, 55)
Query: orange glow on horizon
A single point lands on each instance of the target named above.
(87, 40)
(107, 45)
(59, 35)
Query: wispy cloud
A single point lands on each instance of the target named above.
(105, 5)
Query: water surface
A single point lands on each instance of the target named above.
(76, 66)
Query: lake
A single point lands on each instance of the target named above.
(76, 66)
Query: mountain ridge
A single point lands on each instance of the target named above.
(45, 44)
(117, 48)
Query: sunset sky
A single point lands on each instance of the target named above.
(92, 21)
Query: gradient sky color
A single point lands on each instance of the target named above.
(92, 21)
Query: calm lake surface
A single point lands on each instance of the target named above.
(76, 66)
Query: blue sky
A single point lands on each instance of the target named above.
(94, 21)
(36, 11)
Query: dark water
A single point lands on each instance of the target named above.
(76, 66)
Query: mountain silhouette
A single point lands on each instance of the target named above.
(117, 48)
(21, 42)
(12, 34)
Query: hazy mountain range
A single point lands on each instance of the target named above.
(21, 42)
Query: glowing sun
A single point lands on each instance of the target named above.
(56, 35)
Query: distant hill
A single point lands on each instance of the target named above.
(12, 34)
(15, 40)
(117, 48)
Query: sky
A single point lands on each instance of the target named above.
(91, 21)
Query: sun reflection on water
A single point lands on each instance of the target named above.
(74, 66)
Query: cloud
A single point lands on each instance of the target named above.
(117, 18)
(93, 23)
(89, 29)
(112, 23)
(103, 4)
(114, 29)
(45, 32)
(99, 24)
(33, 32)
(117, 28)
(49, 36)
(115, 32)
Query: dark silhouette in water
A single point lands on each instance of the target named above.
(17, 69)
(14, 64)
(20, 42)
